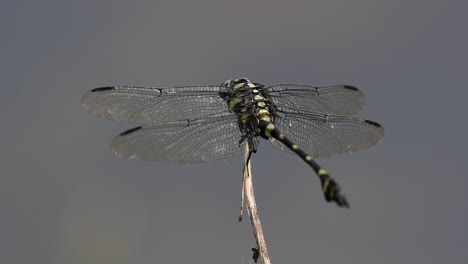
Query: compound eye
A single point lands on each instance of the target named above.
(227, 83)
(233, 82)
(242, 80)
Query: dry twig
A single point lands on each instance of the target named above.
(261, 249)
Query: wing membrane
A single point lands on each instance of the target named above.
(151, 105)
(182, 142)
(324, 135)
(336, 99)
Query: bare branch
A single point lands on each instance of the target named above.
(252, 210)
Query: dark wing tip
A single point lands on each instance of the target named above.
(85, 98)
(372, 123)
(130, 131)
(349, 87)
(102, 89)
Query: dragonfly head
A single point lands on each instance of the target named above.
(236, 83)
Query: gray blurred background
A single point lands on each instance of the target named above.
(65, 198)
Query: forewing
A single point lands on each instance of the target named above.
(324, 135)
(182, 142)
(336, 99)
(151, 105)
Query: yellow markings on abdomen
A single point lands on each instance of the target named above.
(322, 172)
(325, 185)
(308, 158)
(281, 137)
(295, 147)
(258, 97)
(261, 104)
(268, 129)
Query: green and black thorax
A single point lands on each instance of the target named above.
(253, 106)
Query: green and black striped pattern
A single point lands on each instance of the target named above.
(191, 124)
(330, 188)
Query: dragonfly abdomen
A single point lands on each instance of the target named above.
(330, 188)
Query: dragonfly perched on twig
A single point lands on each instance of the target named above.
(192, 124)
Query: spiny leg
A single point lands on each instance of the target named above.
(330, 187)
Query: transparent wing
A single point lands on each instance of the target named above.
(324, 135)
(336, 99)
(182, 142)
(151, 105)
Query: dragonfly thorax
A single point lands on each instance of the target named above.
(248, 99)
(250, 102)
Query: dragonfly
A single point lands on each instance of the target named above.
(193, 124)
